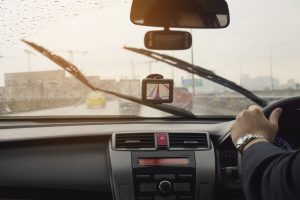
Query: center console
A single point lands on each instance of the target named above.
(164, 175)
(160, 172)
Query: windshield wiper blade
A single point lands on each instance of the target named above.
(200, 71)
(73, 70)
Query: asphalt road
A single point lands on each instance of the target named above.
(111, 108)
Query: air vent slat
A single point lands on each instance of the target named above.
(134, 140)
(188, 140)
(177, 137)
(188, 134)
(122, 140)
(133, 135)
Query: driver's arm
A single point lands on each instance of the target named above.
(268, 171)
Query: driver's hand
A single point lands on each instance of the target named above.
(253, 121)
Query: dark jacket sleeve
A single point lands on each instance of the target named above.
(270, 173)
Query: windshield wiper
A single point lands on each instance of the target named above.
(73, 70)
(200, 71)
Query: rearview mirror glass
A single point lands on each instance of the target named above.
(168, 40)
(180, 13)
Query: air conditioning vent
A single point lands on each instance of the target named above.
(188, 140)
(135, 140)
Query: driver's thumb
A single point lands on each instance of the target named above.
(274, 117)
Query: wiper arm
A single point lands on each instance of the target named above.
(200, 71)
(73, 70)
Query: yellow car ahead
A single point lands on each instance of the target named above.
(95, 99)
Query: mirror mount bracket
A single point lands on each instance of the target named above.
(168, 40)
(155, 76)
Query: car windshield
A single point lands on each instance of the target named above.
(259, 51)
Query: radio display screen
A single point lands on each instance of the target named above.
(163, 161)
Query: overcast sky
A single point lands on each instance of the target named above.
(258, 28)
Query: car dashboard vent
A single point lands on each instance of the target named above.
(188, 140)
(134, 140)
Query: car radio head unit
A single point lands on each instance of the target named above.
(164, 174)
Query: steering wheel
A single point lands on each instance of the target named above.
(287, 105)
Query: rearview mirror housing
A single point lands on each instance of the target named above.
(180, 13)
(168, 40)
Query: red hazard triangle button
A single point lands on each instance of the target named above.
(162, 139)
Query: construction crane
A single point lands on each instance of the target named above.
(3, 57)
(72, 53)
(149, 63)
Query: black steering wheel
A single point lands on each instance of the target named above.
(288, 105)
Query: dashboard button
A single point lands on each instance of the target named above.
(164, 176)
(147, 187)
(144, 198)
(165, 187)
(185, 198)
(185, 176)
(143, 176)
(181, 187)
(158, 197)
(162, 139)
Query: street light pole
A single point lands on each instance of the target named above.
(271, 65)
(271, 70)
(192, 59)
(29, 54)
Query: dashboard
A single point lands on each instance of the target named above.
(143, 159)
(128, 159)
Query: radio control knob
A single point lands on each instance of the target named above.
(165, 187)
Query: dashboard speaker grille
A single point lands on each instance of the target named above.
(135, 140)
(188, 140)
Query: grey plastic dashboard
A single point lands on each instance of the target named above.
(12, 131)
(68, 158)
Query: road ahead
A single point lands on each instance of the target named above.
(111, 108)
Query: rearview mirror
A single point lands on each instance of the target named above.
(180, 13)
(168, 40)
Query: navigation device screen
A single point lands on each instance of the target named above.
(157, 91)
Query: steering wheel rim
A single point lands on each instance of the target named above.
(285, 104)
